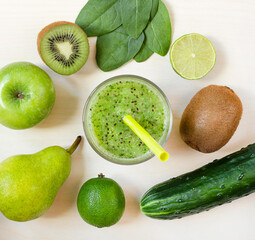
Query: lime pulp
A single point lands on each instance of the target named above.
(192, 56)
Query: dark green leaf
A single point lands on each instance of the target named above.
(99, 17)
(154, 8)
(116, 48)
(143, 54)
(135, 15)
(158, 31)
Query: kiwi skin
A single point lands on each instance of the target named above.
(46, 29)
(211, 118)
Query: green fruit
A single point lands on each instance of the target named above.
(101, 202)
(29, 183)
(192, 56)
(212, 185)
(27, 95)
(63, 46)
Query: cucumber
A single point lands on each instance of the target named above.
(214, 184)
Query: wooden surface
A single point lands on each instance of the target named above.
(230, 25)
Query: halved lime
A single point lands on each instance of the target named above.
(192, 56)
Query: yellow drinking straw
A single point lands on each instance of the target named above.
(147, 139)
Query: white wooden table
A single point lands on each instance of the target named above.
(230, 25)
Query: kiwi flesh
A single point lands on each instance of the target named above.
(211, 118)
(63, 46)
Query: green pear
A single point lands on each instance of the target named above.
(29, 183)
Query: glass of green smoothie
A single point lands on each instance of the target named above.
(115, 98)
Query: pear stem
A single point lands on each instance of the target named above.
(74, 145)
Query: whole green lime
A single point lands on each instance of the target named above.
(101, 202)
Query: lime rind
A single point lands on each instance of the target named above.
(192, 56)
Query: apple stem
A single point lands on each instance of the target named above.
(74, 145)
(19, 95)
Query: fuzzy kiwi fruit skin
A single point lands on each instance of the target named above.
(48, 28)
(211, 118)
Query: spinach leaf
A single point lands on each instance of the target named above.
(99, 17)
(116, 48)
(135, 15)
(143, 54)
(154, 8)
(158, 31)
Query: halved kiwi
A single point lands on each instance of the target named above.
(63, 46)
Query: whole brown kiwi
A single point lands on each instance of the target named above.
(211, 118)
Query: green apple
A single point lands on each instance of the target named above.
(27, 95)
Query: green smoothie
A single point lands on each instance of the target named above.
(116, 98)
